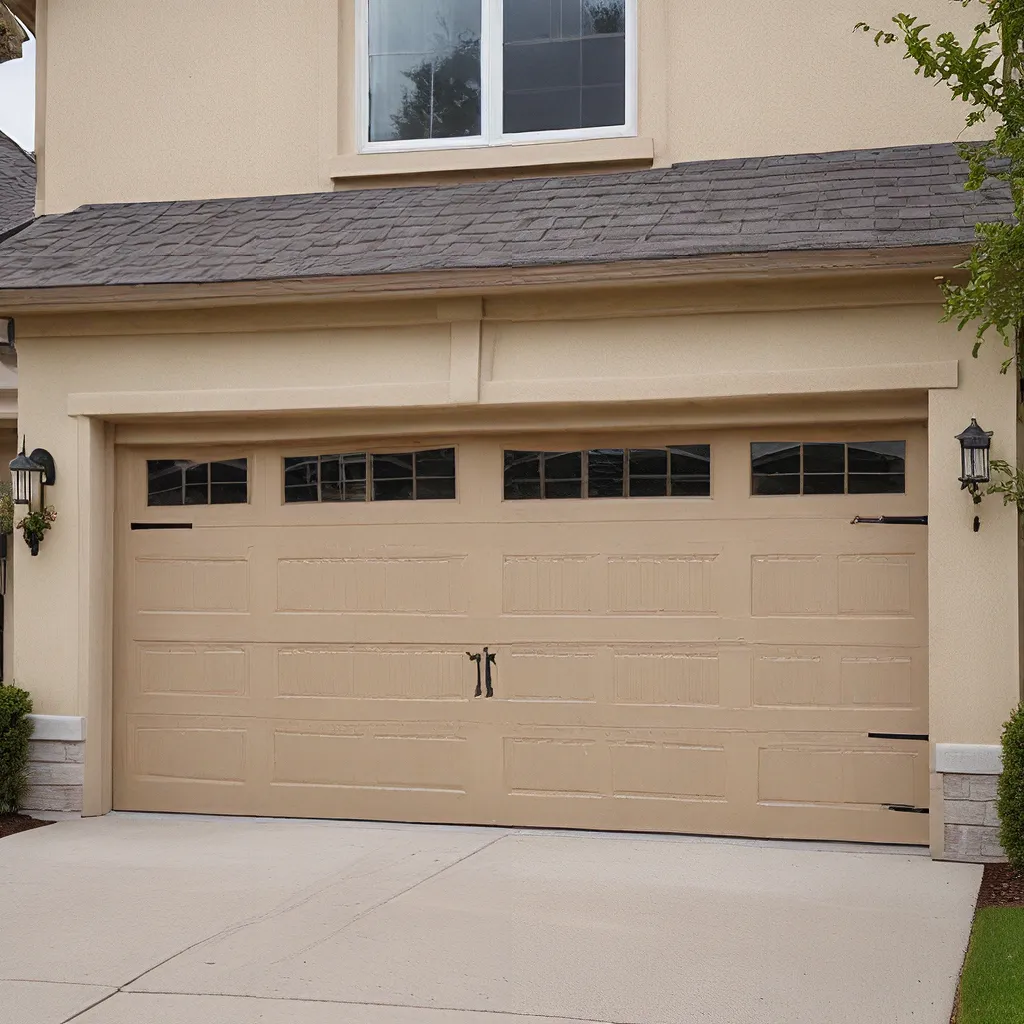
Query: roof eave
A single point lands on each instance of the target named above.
(25, 10)
(936, 259)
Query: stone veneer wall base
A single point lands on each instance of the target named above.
(970, 775)
(56, 763)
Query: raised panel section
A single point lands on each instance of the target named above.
(374, 673)
(815, 776)
(874, 584)
(665, 677)
(540, 584)
(792, 678)
(205, 753)
(358, 758)
(878, 681)
(383, 585)
(194, 669)
(549, 674)
(662, 584)
(191, 584)
(671, 771)
(553, 767)
(792, 585)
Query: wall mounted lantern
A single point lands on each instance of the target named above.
(24, 471)
(975, 469)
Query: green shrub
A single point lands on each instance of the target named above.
(1011, 790)
(15, 730)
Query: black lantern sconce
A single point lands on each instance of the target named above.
(975, 468)
(24, 471)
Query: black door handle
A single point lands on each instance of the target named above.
(476, 658)
(490, 659)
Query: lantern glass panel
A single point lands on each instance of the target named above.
(21, 486)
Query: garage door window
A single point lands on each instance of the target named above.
(675, 471)
(365, 476)
(856, 467)
(183, 482)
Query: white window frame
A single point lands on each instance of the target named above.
(492, 87)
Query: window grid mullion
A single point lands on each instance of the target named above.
(492, 69)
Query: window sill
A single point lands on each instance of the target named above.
(439, 163)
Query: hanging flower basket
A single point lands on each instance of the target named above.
(34, 526)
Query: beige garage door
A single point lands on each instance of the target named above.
(688, 633)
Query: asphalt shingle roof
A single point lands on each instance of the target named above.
(17, 185)
(865, 199)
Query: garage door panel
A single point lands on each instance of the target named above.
(388, 585)
(839, 677)
(667, 664)
(370, 756)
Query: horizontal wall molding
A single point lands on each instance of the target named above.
(420, 162)
(754, 384)
(968, 758)
(258, 400)
(750, 384)
(897, 288)
(66, 728)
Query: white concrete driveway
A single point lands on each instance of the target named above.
(174, 920)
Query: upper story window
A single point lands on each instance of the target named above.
(440, 73)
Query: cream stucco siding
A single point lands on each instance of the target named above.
(234, 99)
(181, 101)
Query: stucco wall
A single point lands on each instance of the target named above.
(256, 97)
(185, 362)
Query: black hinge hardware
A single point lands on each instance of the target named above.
(489, 660)
(908, 809)
(890, 520)
(476, 658)
(161, 526)
(898, 736)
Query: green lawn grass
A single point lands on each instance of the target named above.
(992, 987)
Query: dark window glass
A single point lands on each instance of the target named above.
(648, 472)
(392, 467)
(770, 458)
(439, 463)
(392, 490)
(878, 457)
(396, 476)
(181, 482)
(691, 487)
(564, 64)
(332, 487)
(563, 474)
(825, 458)
(166, 481)
(424, 69)
(605, 473)
(229, 482)
(824, 483)
(522, 475)
(693, 460)
(877, 483)
(862, 467)
(683, 471)
(691, 471)
(197, 484)
(780, 484)
(435, 487)
(393, 477)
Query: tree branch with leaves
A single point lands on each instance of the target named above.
(986, 73)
